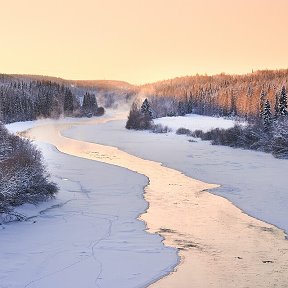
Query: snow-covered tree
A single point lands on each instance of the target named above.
(89, 103)
(139, 119)
(262, 103)
(276, 107)
(68, 102)
(181, 108)
(283, 102)
(267, 115)
(145, 108)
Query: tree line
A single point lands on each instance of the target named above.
(30, 100)
(221, 95)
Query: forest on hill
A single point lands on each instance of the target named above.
(29, 97)
(260, 98)
(222, 95)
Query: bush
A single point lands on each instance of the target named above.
(183, 131)
(197, 134)
(23, 176)
(158, 128)
(100, 111)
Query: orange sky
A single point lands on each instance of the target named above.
(142, 40)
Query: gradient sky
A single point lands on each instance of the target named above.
(141, 41)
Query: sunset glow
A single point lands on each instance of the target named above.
(142, 41)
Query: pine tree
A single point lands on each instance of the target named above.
(89, 104)
(267, 115)
(262, 103)
(283, 102)
(190, 104)
(68, 102)
(181, 108)
(276, 107)
(146, 109)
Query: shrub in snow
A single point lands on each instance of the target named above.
(197, 134)
(183, 131)
(23, 176)
(255, 137)
(100, 111)
(158, 128)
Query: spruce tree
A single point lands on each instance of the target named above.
(89, 103)
(190, 104)
(68, 102)
(276, 107)
(267, 115)
(262, 103)
(283, 102)
(181, 108)
(145, 108)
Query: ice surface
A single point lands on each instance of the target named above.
(254, 181)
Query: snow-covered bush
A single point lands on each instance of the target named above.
(23, 176)
(159, 128)
(279, 143)
(183, 131)
(254, 137)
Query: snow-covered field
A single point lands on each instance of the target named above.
(89, 236)
(195, 122)
(253, 181)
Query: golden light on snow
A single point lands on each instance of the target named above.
(142, 40)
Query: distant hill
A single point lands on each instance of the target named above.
(104, 84)
(237, 95)
(100, 84)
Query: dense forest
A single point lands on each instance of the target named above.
(26, 97)
(221, 95)
(36, 99)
